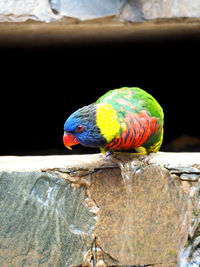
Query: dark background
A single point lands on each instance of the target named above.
(42, 86)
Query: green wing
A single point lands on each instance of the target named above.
(132, 100)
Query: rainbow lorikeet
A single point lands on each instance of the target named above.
(122, 119)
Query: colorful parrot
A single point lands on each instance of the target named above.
(120, 120)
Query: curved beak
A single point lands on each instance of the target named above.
(69, 140)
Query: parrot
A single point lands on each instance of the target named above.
(121, 120)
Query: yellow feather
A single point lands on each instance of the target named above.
(155, 147)
(107, 121)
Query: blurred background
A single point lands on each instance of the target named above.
(42, 85)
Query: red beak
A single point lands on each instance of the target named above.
(69, 140)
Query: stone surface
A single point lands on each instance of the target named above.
(44, 221)
(125, 10)
(132, 11)
(65, 164)
(137, 220)
(93, 161)
(153, 9)
(15, 11)
(68, 210)
(87, 9)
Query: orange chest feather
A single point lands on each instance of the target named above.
(139, 128)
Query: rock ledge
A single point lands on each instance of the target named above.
(75, 210)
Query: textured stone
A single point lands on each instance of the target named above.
(153, 9)
(140, 10)
(143, 222)
(85, 9)
(181, 168)
(125, 10)
(14, 10)
(68, 210)
(190, 176)
(132, 11)
(44, 221)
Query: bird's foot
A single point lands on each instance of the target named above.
(147, 158)
(109, 153)
(121, 158)
(113, 158)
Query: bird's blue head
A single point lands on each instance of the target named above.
(81, 127)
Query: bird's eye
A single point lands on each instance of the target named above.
(79, 128)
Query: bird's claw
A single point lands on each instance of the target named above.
(109, 153)
(113, 158)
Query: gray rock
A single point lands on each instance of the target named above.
(85, 9)
(174, 168)
(190, 176)
(44, 221)
(153, 9)
(125, 10)
(14, 10)
(95, 215)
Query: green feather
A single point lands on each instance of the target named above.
(133, 100)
